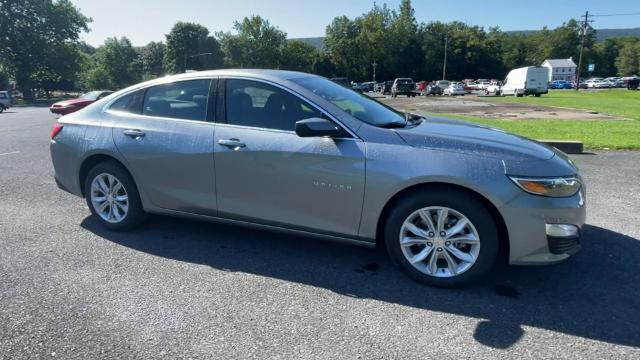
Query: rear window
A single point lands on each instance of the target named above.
(185, 100)
(130, 103)
(3, 95)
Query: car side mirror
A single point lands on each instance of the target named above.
(316, 127)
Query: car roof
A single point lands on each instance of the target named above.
(256, 73)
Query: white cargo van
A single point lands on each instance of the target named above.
(530, 80)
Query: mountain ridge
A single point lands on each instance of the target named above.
(601, 35)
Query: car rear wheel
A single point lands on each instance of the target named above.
(1, 108)
(113, 198)
(443, 238)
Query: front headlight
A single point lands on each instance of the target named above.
(553, 187)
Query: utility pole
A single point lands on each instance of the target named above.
(375, 65)
(583, 31)
(444, 65)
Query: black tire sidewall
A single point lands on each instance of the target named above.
(470, 207)
(135, 214)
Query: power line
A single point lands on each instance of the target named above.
(627, 14)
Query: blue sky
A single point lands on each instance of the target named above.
(148, 20)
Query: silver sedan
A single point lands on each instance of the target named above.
(296, 152)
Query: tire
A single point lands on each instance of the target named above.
(1, 108)
(134, 214)
(538, 95)
(458, 203)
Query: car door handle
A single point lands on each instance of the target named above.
(232, 143)
(134, 133)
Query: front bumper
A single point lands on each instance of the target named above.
(527, 218)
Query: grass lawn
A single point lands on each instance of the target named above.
(595, 134)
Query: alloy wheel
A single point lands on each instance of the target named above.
(109, 198)
(439, 241)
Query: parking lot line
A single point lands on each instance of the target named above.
(10, 153)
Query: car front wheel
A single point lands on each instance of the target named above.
(444, 238)
(113, 197)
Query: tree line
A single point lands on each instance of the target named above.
(40, 49)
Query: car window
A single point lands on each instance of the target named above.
(130, 103)
(185, 100)
(3, 96)
(360, 106)
(256, 104)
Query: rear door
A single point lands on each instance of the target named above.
(168, 144)
(265, 173)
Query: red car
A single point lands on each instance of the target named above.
(420, 86)
(68, 106)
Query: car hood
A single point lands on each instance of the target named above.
(459, 136)
(73, 102)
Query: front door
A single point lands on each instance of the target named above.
(169, 145)
(265, 173)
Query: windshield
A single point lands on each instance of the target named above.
(360, 106)
(90, 95)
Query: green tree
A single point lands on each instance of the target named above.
(151, 59)
(407, 55)
(628, 62)
(297, 55)
(256, 44)
(189, 46)
(4, 79)
(114, 66)
(31, 31)
(341, 45)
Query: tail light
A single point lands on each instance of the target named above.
(57, 127)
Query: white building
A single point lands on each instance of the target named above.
(561, 69)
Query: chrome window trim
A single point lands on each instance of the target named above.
(288, 132)
(106, 106)
(294, 93)
(123, 113)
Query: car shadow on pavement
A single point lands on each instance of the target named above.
(594, 295)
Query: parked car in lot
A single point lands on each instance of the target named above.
(454, 89)
(530, 80)
(443, 83)
(494, 89)
(482, 84)
(5, 100)
(68, 106)
(470, 86)
(421, 86)
(432, 89)
(597, 84)
(403, 86)
(616, 82)
(632, 83)
(298, 153)
(357, 87)
(386, 88)
(560, 84)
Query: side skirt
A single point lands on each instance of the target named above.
(219, 220)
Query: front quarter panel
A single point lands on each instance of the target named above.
(392, 168)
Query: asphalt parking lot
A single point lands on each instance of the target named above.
(185, 289)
